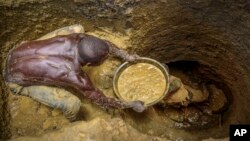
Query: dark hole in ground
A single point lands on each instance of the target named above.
(197, 116)
(194, 74)
(198, 73)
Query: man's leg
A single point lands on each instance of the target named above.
(64, 31)
(52, 97)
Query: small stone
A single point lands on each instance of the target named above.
(150, 132)
(217, 99)
(55, 123)
(43, 110)
(56, 112)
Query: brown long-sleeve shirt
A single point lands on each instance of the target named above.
(57, 62)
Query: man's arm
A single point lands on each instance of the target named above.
(97, 97)
(82, 84)
(117, 52)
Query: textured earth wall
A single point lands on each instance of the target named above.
(214, 33)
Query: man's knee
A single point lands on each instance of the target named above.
(72, 108)
(56, 98)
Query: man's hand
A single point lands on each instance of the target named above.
(132, 58)
(138, 106)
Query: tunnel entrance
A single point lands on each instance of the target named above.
(198, 76)
(197, 117)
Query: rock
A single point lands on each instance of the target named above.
(30, 117)
(56, 112)
(55, 123)
(197, 94)
(180, 96)
(16, 3)
(217, 100)
(189, 117)
(212, 139)
(98, 129)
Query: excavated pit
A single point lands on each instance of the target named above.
(210, 36)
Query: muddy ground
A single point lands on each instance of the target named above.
(213, 33)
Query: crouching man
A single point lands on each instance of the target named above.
(40, 68)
